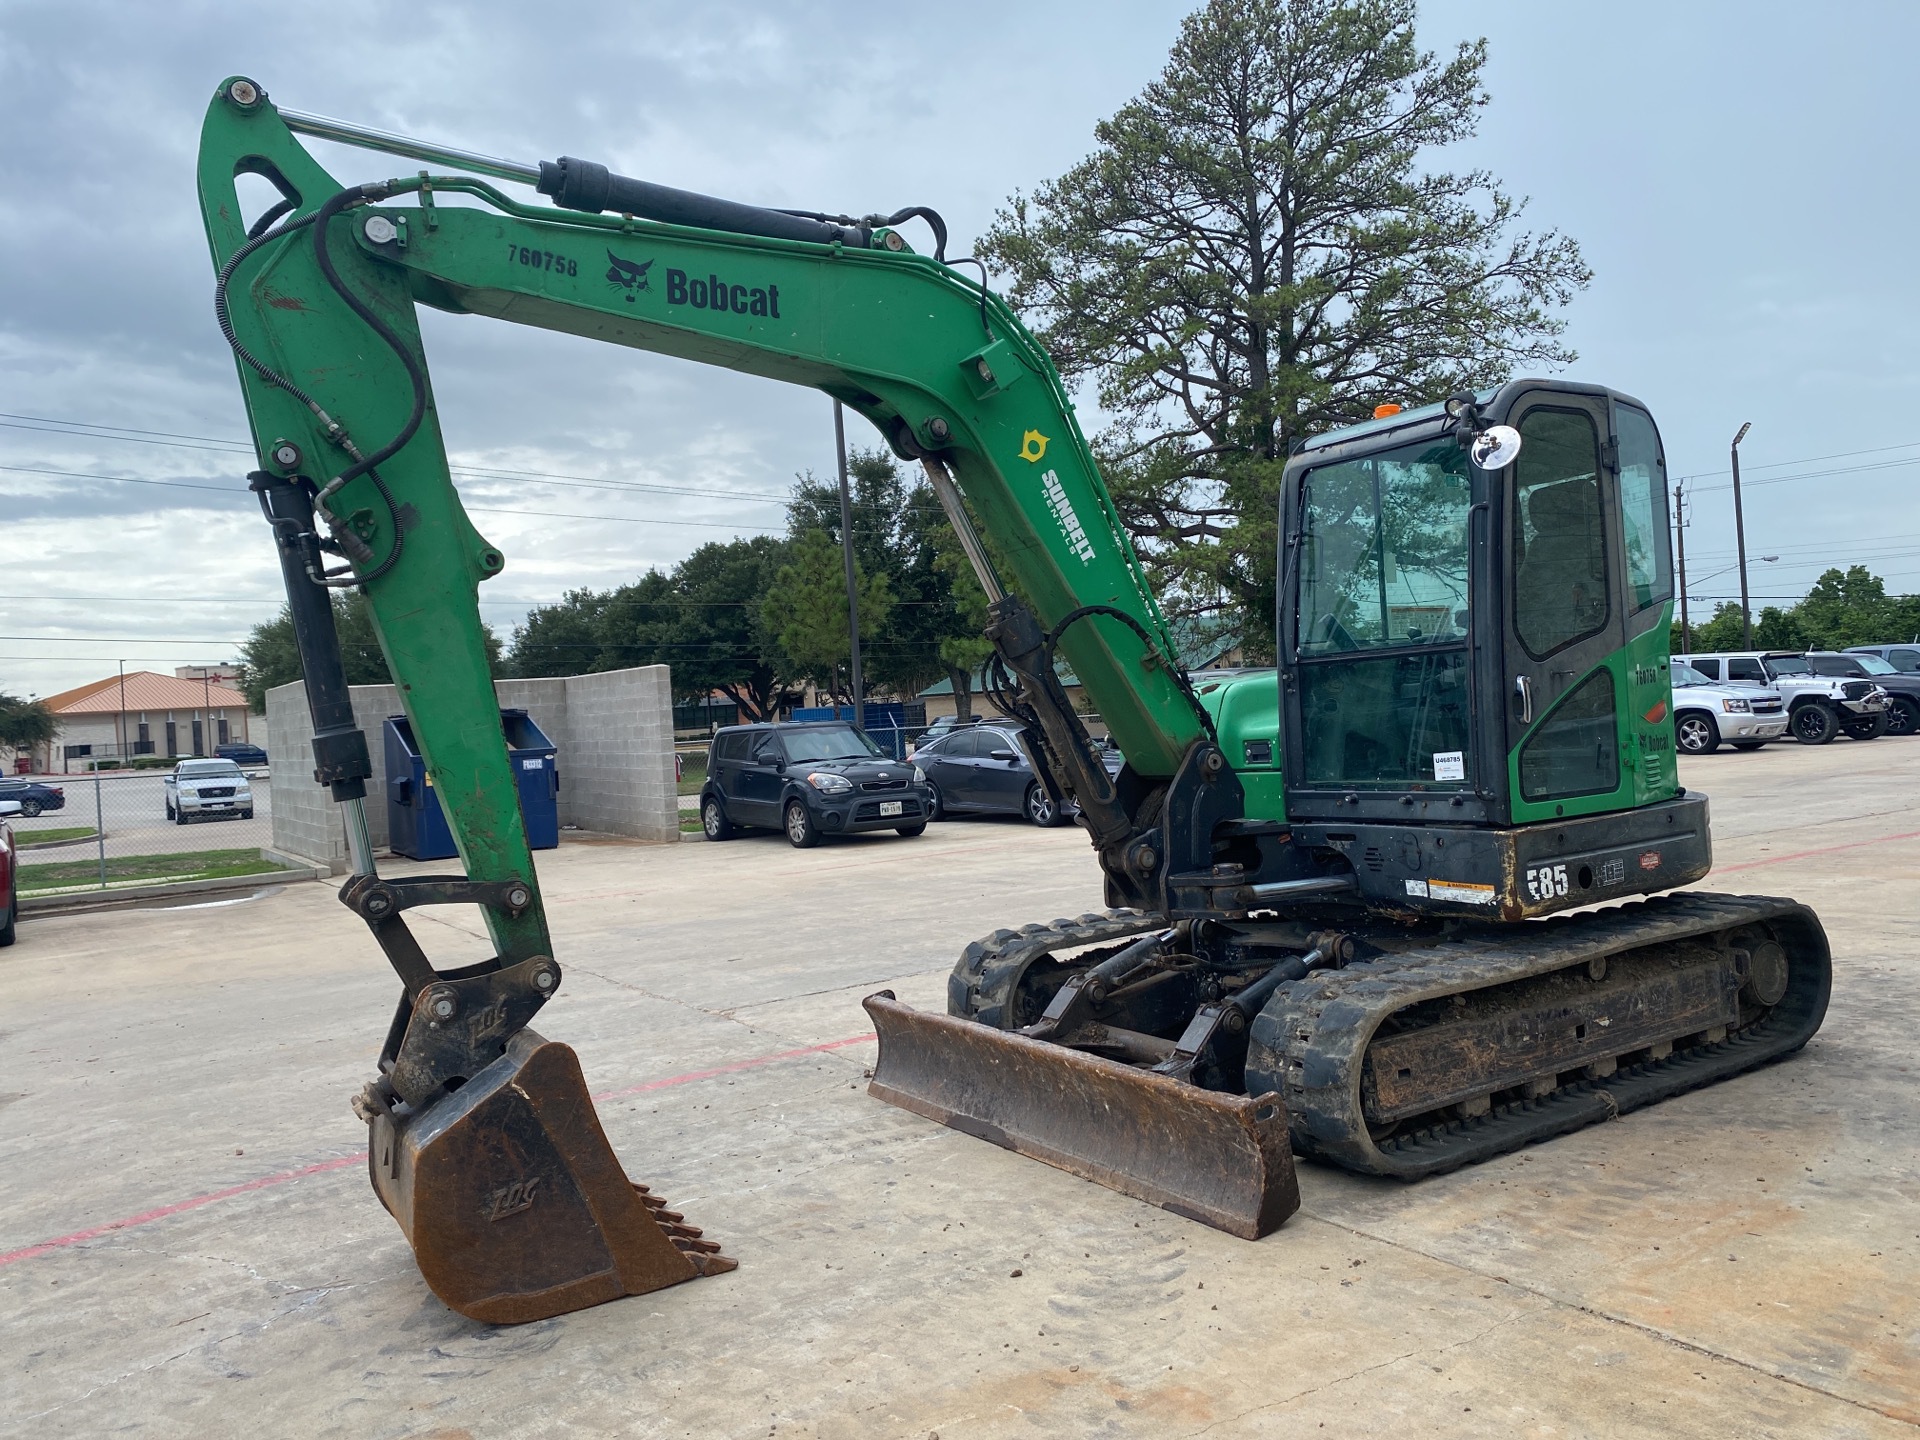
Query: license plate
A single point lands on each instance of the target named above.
(891, 807)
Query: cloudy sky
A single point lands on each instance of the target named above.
(1738, 176)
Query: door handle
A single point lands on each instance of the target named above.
(1523, 688)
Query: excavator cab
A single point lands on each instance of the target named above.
(1481, 644)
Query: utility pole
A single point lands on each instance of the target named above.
(1740, 542)
(123, 712)
(846, 552)
(1680, 534)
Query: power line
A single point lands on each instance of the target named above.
(236, 447)
(236, 492)
(1803, 460)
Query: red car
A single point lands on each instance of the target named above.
(8, 868)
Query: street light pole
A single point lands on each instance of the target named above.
(846, 551)
(1680, 534)
(1740, 542)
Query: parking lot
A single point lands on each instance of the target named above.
(131, 809)
(188, 1244)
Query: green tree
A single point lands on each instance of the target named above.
(26, 723)
(1845, 608)
(1841, 608)
(703, 619)
(964, 646)
(557, 639)
(722, 638)
(933, 628)
(1262, 247)
(806, 608)
(270, 657)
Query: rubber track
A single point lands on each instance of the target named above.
(988, 970)
(1338, 1013)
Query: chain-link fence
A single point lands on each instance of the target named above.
(111, 831)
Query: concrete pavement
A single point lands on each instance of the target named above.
(188, 1246)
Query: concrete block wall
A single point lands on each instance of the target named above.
(616, 760)
(613, 732)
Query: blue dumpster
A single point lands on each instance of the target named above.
(416, 825)
(536, 768)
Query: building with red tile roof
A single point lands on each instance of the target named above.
(142, 713)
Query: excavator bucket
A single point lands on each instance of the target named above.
(1221, 1159)
(514, 1202)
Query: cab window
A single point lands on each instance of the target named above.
(1748, 670)
(1384, 551)
(1559, 533)
(1575, 750)
(1643, 511)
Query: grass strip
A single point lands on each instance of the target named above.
(143, 869)
(27, 839)
(693, 772)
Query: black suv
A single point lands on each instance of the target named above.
(808, 779)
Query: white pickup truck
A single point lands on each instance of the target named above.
(207, 787)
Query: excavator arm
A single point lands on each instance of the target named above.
(476, 1121)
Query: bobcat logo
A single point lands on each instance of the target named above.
(627, 276)
(511, 1199)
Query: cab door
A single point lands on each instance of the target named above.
(1563, 629)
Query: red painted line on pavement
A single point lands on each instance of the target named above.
(1806, 854)
(147, 1217)
(266, 1182)
(734, 1068)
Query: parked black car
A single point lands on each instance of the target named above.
(33, 796)
(944, 725)
(1902, 687)
(985, 770)
(1904, 658)
(809, 779)
(241, 752)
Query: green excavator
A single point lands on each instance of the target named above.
(1356, 905)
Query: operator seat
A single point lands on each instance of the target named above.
(1560, 583)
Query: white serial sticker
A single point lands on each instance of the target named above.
(1417, 887)
(1464, 891)
(1449, 765)
(531, 764)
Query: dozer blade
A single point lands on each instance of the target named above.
(1220, 1159)
(514, 1202)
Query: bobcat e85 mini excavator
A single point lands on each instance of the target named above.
(1328, 883)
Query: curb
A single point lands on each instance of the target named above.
(79, 902)
(92, 839)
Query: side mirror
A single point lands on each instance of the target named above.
(1002, 755)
